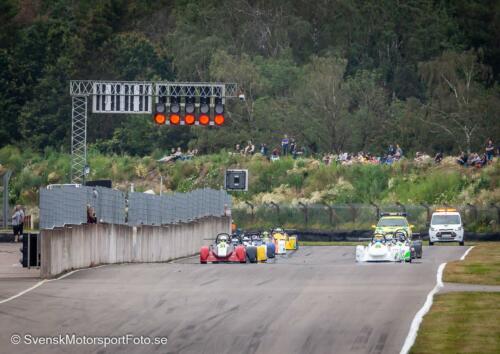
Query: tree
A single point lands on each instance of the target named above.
(322, 102)
(457, 100)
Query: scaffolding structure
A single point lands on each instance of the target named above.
(126, 97)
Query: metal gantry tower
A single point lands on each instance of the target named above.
(125, 97)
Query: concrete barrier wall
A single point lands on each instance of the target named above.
(82, 246)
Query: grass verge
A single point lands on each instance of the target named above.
(354, 243)
(465, 322)
(481, 266)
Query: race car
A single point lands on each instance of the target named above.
(403, 245)
(290, 242)
(251, 250)
(378, 250)
(265, 248)
(223, 250)
(389, 223)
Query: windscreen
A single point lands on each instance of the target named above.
(445, 220)
(392, 222)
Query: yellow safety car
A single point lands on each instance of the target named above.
(392, 222)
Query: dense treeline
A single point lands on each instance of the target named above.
(337, 75)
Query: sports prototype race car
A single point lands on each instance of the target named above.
(251, 250)
(223, 250)
(284, 242)
(390, 247)
(378, 250)
(399, 240)
(263, 244)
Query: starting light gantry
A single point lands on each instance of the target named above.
(202, 104)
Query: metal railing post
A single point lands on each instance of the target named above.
(306, 216)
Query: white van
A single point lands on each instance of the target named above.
(446, 226)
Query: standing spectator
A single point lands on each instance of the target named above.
(263, 149)
(16, 219)
(21, 219)
(490, 150)
(293, 148)
(284, 145)
(237, 149)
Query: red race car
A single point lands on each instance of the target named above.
(223, 251)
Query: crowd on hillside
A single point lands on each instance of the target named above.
(177, 154)
(289, 147)
(393, 154)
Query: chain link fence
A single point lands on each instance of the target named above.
(341, 217)
(67, 205)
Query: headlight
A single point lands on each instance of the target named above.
(433, 229)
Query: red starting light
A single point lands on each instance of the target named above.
(219, 119)
(189, 119)
(175, 119)
(204, 119)
(160, 118)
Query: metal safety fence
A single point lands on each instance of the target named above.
(176, 207)
(5, 211)
(339, 217)
(67, 205)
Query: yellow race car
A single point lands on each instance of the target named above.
(284, 242)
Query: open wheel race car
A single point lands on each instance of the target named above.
(223, 250)
(400, 241)
(378, 250)
(284, 242)
(265, 248)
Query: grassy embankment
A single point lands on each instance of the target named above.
(465, 322)
(286, 182)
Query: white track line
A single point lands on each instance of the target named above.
(466, 253)
(417, 320)
(45, 281)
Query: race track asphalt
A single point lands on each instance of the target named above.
(316, 300)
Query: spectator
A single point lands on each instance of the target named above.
(16, 220)
(21, 220)
(399, 152)
(439, 157)
(284, 145)
(490, 150)
(293, 148)
(91, 218)
(391, 151)
(250, 148)
(275, 155)
(462, 159)
(263, 149)
(237, 149)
